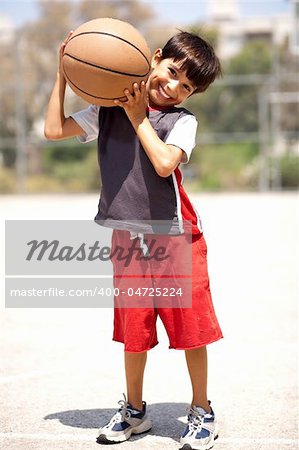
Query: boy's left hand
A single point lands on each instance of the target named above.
(136, 103)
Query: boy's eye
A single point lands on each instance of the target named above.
(187, 87)
(172, 71)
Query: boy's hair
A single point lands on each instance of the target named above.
(196, 56)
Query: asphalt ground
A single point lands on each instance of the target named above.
(61, 375)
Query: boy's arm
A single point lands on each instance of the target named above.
(165, 158)
(56, 125)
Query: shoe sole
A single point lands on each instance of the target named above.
(142, 428)
(189, 447)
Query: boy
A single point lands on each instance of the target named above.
(141, 143)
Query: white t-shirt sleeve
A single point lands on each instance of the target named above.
(88, 119)
(183, 136)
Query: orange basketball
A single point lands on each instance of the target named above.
(104, 57)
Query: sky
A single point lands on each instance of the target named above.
(177, 11)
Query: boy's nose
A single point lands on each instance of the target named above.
(172, 86)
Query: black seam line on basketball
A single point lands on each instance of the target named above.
(91, 95)
(117, 37)
(105, 68)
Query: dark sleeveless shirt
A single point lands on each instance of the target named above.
(132, 193)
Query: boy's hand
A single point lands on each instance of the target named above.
(136, 104)
(61, 50)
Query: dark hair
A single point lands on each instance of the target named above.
(197, 57)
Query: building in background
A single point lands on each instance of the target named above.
(294, 42)
(235, 31)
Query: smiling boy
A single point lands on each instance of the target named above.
(141, 143)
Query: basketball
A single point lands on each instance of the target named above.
(102, 58)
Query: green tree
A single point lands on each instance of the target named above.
(41, 40)
(210, 34)
(254, 57)
(234, 108)
(287, 69)
(134, 11)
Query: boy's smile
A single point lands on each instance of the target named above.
(167, 85)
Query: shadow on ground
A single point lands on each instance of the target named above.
(164, 417)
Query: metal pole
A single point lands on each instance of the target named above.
(20, 116)
(277, 143)
(263, 120)
(275, 122)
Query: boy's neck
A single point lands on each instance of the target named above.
(153, 107)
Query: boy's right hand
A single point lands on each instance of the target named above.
(61, 50)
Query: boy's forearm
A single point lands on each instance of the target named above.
(161, 155)
(55, 117)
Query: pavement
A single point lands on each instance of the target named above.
(61, 375)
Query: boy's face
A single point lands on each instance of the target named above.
(167, 85)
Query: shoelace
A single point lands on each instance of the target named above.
(122, 413)
(195, 419)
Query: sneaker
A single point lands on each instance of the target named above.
(201, 430)
(125, 422)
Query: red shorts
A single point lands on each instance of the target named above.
(187, 327)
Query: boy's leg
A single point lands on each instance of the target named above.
(127, 421)
(197, 362)
(134, 366)
(202, 429)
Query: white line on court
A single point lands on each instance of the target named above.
(26, 375)
(87, 438)
(46, 437)
(240, 440)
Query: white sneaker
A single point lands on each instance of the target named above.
(201, 430)
(125, 422)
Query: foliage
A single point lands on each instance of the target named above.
(133, 11)
(255, 57)
(64, 152)
(85, 173)
(74, 170)
(225, 167)
(8, 156)
(8, 182)
(7, 91)
(72, 177)
(233, 108)
(40, 41)
(212, 168)
(210, 34)
(289, 166)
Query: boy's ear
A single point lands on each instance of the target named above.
(156, 57)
